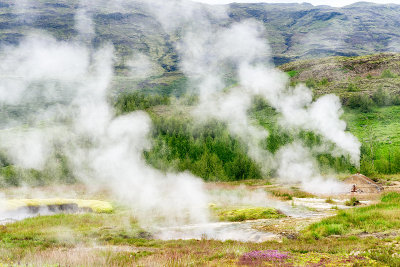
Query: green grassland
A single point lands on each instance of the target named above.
(247, 213)
(376, 218)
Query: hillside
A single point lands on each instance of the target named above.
(369, 87)
(346, 76)
(295, 31)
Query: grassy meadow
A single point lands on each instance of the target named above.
(361, 236)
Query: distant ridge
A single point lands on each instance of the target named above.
(294, 31)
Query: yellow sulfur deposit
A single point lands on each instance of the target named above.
(95, 205)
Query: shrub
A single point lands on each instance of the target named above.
(360, 101)
(367, 166)
(388, 74)
(382, 166)
(311, 83)
(352, 202)
(352, 88)
(381, 97)
(324, 81)
(10, 176)
(395, 99)
(129, 102)
(292, 73)
(330, 201)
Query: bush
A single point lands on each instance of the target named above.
(352, 88)
(381, 97)
(352, 202)
(292, 73)
(388, 74)
(129, 102)
(311, 83)
(367, 166)
(395, 99)
(360, 101)
(382, 166)
(10, 176)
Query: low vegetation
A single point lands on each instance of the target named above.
(116, 240)
(288, 194)
(379, 217)
(250, 213)
(279, 258)
(352, 202)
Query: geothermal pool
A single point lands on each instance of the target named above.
(238, 231)
(246, 231)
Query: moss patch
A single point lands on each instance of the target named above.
(254, 213)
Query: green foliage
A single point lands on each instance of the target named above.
(176, 88)
(381, 97)
(360, 101)
(312, 83)
(374, 218)
(292, 73)
(388, 74)
(378, 132)
(384, 255)
(391, 197)
(128, 102)
(324, 82)
(352, 88)
(278, 138)
(330, 201)
(255, 213)
(117, 240)
(352, 202)
(208, 150)
(10, 176)
(282, 195)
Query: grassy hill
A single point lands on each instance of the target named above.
(369, 87)
(347, 76)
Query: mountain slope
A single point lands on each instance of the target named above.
(346, 76)
(295, 31)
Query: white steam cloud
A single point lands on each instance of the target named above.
(240, 52)
(72, 83)
(66, 85)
